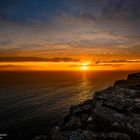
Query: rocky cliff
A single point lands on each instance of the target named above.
(113, 113)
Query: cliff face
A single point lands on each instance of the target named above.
(113, 113)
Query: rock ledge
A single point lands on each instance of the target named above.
(113, 113)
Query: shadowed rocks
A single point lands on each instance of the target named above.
(113, 113)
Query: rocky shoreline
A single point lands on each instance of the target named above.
(113, 113)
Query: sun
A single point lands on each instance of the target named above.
(84, 67)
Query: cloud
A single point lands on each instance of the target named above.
(37, 59)
(69, 28)
(13, 67)
(109, 65)
(9, 66)
(97, 62)
(114, 63)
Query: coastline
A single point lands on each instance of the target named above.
(113, 113)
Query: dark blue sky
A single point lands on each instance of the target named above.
(24, 10)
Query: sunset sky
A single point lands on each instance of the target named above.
(69, 34)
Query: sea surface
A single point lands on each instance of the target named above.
(31, 103)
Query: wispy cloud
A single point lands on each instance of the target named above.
(115, 61)
(107, 63)
(37, 59)
(72, 29)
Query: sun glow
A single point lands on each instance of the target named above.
(84, 67)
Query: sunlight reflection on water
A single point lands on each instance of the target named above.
(85, 88)
(28, 100)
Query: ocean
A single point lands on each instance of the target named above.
(31, 103)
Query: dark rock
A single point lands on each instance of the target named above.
(133, 76)
(113, 113)
(76, 136)
(133, 127)
(73, 124)
(41, 137)
(121, 83)
(132, 82)
(89, 135)
(113, 136)
(56, 135)
(106, 119)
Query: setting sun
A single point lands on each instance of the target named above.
(84, 67)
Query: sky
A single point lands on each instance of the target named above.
(67, 34)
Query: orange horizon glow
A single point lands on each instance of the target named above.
(81, 66)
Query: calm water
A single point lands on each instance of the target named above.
(33, 102)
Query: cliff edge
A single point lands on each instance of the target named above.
(113, 113)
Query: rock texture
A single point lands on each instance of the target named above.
(113, 113)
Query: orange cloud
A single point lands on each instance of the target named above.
(37, 59)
